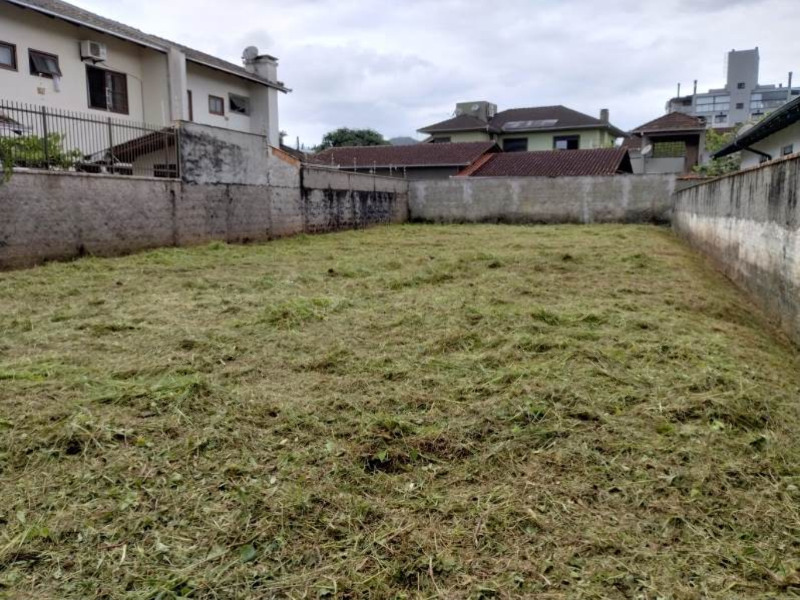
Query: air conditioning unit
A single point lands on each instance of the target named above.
(95, 51)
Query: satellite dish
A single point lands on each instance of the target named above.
(250, 53)
(475, 107)
(647, 150)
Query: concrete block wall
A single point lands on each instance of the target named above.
(748, 224)
(50, 215)
(335, 199)
(629, 198)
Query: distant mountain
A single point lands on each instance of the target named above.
(403, 141)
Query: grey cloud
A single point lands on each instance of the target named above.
(398, 66)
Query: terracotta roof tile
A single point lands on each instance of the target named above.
(416, 155)
(674, 121)
(555, 163)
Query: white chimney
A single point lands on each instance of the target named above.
(264, 99)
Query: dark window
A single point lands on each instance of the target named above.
(515, 145)
(740, 85)
(107, 90)
(239, 104)
(8, 56)
(441, 140)
(170, 171)
(43, 64)
(191, 104)
(740, 105)
(787, 150)
(566, 142)
(216, 105)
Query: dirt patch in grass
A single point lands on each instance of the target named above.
(403, 412)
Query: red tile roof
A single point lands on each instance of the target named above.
(555, 163)
(674, 121)
(416, 155)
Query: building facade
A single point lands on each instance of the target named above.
(674, 143)
(742, 99)
(777, 136)
(525, 129)
(54, 54)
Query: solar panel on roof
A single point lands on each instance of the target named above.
(535, 124)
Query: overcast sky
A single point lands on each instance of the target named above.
(398, 65)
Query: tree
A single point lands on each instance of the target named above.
(351, 137)
(716, 141)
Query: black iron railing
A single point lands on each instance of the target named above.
(40, 137)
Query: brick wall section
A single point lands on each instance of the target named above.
(609, 199)
(748, 224)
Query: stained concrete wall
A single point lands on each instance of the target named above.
(49, 215)
(748, 224)
(624, 199)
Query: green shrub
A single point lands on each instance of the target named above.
(29, 151)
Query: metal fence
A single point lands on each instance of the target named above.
(39, 137)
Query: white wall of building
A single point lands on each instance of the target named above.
(157, 82)
(29, 30)
(773, 145)
(204, 82)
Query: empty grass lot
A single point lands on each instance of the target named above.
(403, 412)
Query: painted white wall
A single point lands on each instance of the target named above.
(773, 145)
(30, 30)
(203, 82)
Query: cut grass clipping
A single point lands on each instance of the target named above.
(403, 412)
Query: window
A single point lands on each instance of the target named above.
(740, 85)
(216, 105)
(8, 56)
(107, 90)
(441, 140)
(566, 142)
(669, 149)
(713, 103)
(720, 118)
(191, 104)
(515, 145)
(163, 170)
(43, 64)
(786, 150)
(740, 105)
(239, 104)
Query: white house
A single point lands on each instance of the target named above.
(57, 55)
(776, 136)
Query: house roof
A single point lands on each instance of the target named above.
(782, 117)
(458, 123)
(633, 142)
(537, 118)
(79, 16)
(417, 155)
(674, 121)
(554, 163)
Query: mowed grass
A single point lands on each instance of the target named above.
(403, 412)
